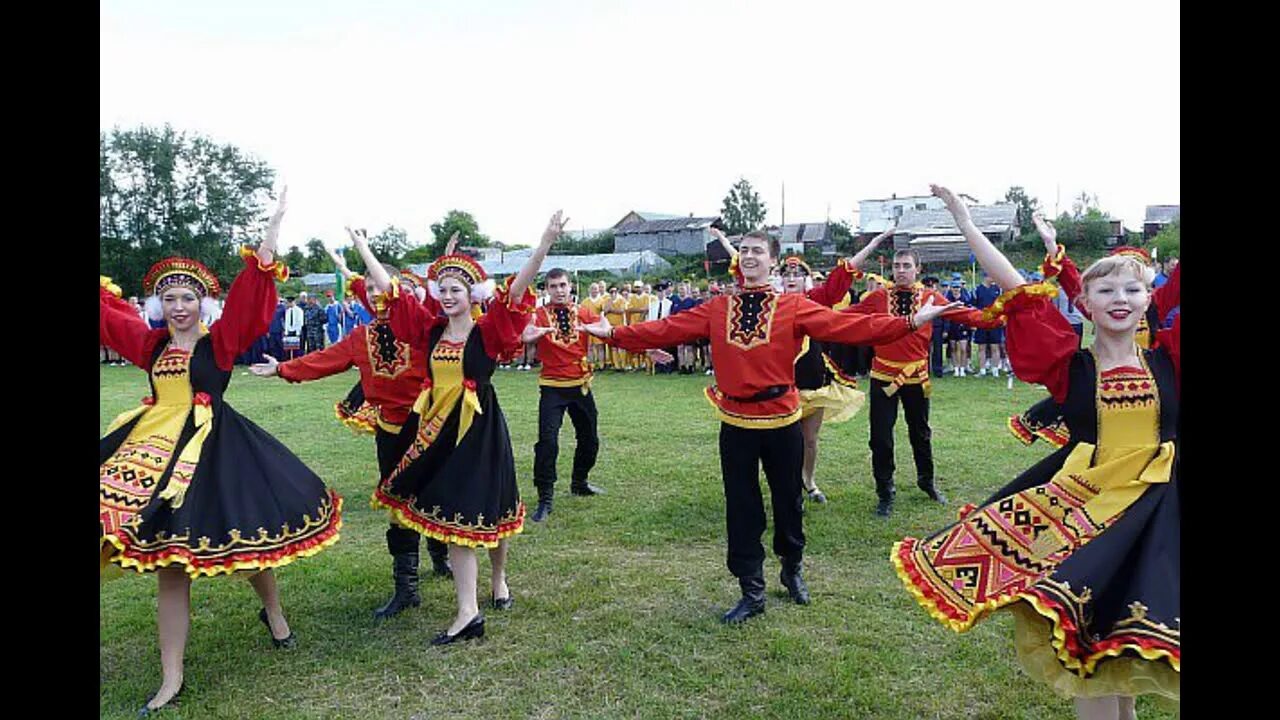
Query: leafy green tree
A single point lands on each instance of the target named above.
(743, 210)
(461, 222)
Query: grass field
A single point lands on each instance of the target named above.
(618, 597)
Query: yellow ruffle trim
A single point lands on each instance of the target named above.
(105, 282)
(278, 268)
(1040, 289)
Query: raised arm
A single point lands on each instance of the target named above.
(251, 300)
(525, 277)
(991, 259)
(376, 273)
(861, 256)
(120, 329)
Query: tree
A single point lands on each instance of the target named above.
(317, 257)
(1090, 230)
(600, 243)
(295, 259)
(162, 193)
(459, 221)
(1027, 206)
(842, 234)
(1082, 204)
(1168, 243)
(390, 245)
(743, 211)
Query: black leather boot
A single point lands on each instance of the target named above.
(885, 491)
(439, 553)
(585, 488)
(403, 544)
(751, 604)
(934, 494)
(544, 504)
(793, 580)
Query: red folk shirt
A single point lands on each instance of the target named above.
(906, 361)
(563, 352)
(755, 338)
(391, 372)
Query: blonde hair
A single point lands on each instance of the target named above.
(1114, 264)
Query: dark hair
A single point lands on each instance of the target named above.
(907, 252)
(554, 273)
(775, 248)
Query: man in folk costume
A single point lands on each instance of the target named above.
(564, 384)
(391, 377)
(900, 371)
(756, 335)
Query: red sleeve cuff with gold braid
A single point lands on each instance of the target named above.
(349, 289)
(1052, 264)
(852, 269)
(251, 259)
(526, 304)
(1023, 296)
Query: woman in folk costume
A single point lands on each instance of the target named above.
(1044, 420)
(457, 480)
(1084, 546)
(188, 487)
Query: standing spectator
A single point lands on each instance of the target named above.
(988, 340)
(313, 326)
(275, 332)
(685, 300)
(333, 319)
(938, 337)
(660, 307)
(294, 319)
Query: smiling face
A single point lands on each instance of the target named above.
(181, 307)
(1116, 300)
(455, 297)
(754, 259)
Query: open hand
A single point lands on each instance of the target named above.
(661, 357)
(555, 228)
(534, 333)
(929, 311)
(266, 369)
(958, 209)
(600, 328)
(452, 245)
(1047, 232)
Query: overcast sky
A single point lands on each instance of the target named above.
(380, 113)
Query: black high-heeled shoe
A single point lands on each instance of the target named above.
(471, 631)
(148, 711)
(286, 643)
(502, 604)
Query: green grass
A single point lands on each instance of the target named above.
(618, 597)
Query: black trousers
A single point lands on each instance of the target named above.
(401, 539)
(742, 452)
(552, 404)
(884, 415)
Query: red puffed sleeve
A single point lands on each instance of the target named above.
(1039, 339)
(679, 329)
(505, 319)
(849, 328)
(973, 317)
(358, 288)
(120, 329)
(411, 321)
(836, 286)
(1169, 295)
(246, 316)
(322, 363)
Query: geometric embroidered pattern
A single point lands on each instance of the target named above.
(128, 479)
(749, 318)
(388, 357)
(566, 331)
(1126, 388)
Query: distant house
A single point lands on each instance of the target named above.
(678, 236)
(1157, 217)
(875, 216)
(800, 238)
(318, 283)
(934, 236)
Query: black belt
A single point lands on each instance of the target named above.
(769, 393)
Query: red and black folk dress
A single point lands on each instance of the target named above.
(1084, 546)
(184, 478)
(457, 480)
(1044, 420)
